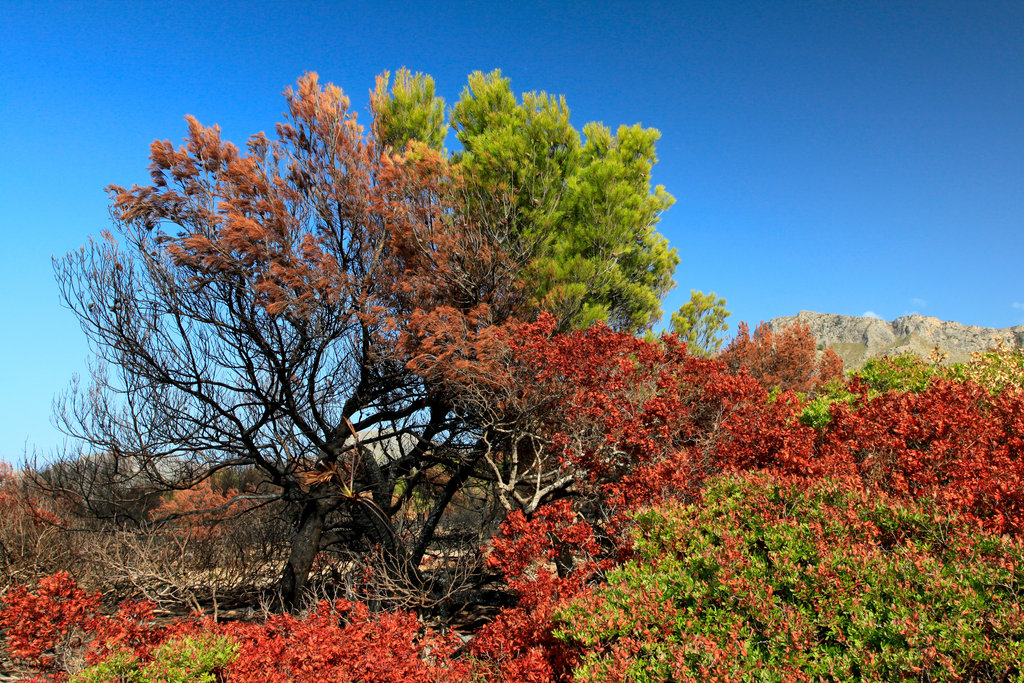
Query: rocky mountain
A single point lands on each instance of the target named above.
(857, 339)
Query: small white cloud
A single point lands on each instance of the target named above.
(870, 314)
(918, 303)
(1017, 304)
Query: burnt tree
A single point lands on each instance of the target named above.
(261, 309)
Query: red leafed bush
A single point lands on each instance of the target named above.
(14, 501)
(616, 403)
(198, 511)
(647, 422)
(786, 360)
(343, 641)
(59, 621)
(43, 627)
(47, 628)
(547, 560)
(953, 442)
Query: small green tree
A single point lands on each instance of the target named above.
(577, 214)
(700, 321)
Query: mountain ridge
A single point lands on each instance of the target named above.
(857, 339)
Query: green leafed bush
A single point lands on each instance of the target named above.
(766, 581)
(121, 667)
(817, 413)
(904, 372)
(200, 659)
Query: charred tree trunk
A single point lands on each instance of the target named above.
(305, 544)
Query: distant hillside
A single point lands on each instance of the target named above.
(857, 339)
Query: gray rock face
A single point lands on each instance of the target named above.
(858, 339)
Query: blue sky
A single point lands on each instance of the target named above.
(841, 157)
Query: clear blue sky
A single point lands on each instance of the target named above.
(836, 156)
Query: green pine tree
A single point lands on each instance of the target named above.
(578, 213)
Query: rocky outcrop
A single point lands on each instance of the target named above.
(858, 339)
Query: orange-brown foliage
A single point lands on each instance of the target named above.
(786, 360)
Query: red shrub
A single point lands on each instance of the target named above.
(786, 360)
(42, 627)
(547, 560)
(953, 442)
(198, 511)
(343, 641)
(336, 642)
(58, 621)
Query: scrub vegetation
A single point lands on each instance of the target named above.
(367, 409)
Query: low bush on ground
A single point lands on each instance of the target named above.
(200, 659)
(771, 581)
(58, 628)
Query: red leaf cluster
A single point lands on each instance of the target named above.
(337, 641)
(197, 511)
(343, 641)
(786, 360)
(17, 504)
(44, 627)
(954, 443)
(548, 560)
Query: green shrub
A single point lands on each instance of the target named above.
(197, 659)
(772, 582)
(120, 667)
(904, 372)
(816, 413)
